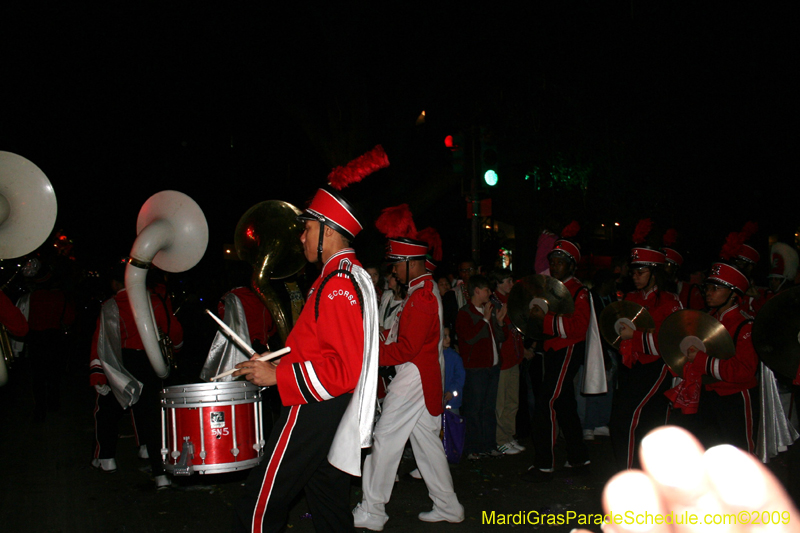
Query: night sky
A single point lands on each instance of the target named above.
(682, 114)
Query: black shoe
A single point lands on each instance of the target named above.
(583, 469)
(534, 475)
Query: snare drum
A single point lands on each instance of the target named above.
(211, 427)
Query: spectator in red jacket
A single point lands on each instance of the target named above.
(511, 353)
(479, 328)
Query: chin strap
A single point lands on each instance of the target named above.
(718, 307)
(321, 236)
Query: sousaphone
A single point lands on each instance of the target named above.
(688, 327)
(544, 291)
(776, 333)
(268, 238)
(623, 312)
(172, 235)
(28, 210)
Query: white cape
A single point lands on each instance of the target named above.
(355, 429)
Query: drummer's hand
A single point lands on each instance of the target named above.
(501, 314)
(261, 373)
(528, 354)
(487, 311)
(537, 312)
(679, 479)
(691, 353)
(625, 332)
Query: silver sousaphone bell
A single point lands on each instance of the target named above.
(172, 235)
(28, 210)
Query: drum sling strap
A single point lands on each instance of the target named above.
(347, 274)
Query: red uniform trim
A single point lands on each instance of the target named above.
(272, 469)
(748, 417)
(637, 413)
(556, 393)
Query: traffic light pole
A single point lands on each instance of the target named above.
(476, 204)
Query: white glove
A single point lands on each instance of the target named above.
(102, 389)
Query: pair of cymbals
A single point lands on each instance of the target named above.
(540, 290)
(776, 333)
(691, 328)
(623, 312)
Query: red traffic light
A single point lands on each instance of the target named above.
(448, 141)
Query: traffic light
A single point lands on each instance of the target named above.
(488, 154)
(456, 145)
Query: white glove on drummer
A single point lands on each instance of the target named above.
(102, 390)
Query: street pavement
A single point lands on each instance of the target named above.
(48, 484)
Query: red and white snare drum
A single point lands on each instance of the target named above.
(211, 427)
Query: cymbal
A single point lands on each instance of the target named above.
(620, 312)
(544, 289)
(689, 327)
(776, 332)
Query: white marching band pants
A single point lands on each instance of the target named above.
(405, 417)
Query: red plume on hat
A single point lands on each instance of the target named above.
(397, 222)
(732, 245)
(748, 230)
(670, 237)
(571, 230)
(434, 240)
(358, 168)
(642, 230)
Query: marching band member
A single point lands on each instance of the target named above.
(639, 404)
(783, 270)
(120, 365)
(726, 410)
(11, 317)
(564, 353)
(745, 260)
(316, 442)
(413, 403)
(690, 293)
(244, 312)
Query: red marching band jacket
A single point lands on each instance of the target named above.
(642, 347)
(569, 329)
(129, 335)
(691, 296)
(259, 320)
(327, 350)
(418, 340)
(739, 372)
(512, 350)
(11, 317)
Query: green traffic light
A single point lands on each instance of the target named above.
(490, 177)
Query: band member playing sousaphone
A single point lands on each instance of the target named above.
(640, 404)
(12, 322)
(28, 210)
(121, 374)
(316, 442)
(564, 353)
(726, 409)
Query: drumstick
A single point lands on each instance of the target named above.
(243, 345)
(266, 357)
(234, 337)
